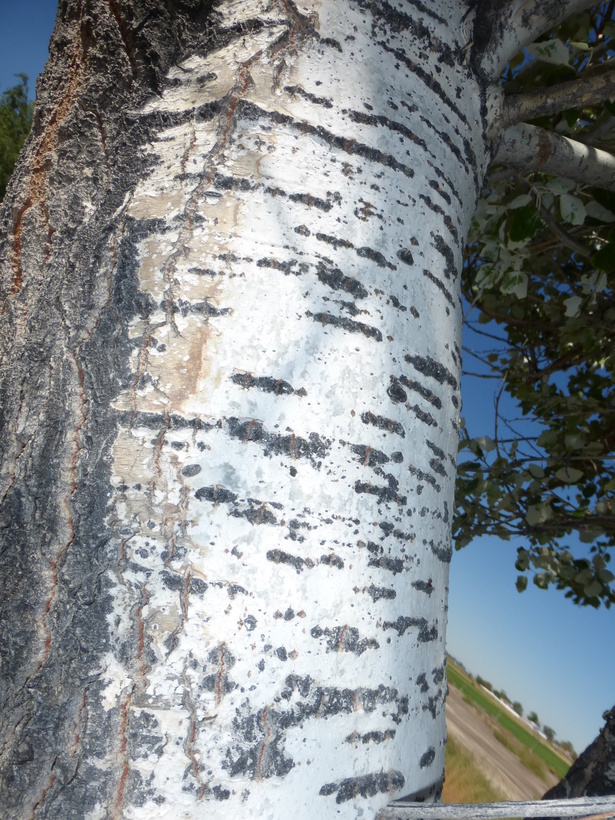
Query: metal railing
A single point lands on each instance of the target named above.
(586, 807)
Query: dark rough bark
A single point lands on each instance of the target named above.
(593, 772)
(56, 378)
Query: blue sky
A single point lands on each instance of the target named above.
(554, 657)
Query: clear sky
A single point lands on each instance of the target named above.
(555, 658)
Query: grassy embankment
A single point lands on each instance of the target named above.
(526, 745)
(464, 781)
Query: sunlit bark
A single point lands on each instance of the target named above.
(231, 379)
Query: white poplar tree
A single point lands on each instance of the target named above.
(230, 399)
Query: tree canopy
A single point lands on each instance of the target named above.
(15, 122)
(540, 322)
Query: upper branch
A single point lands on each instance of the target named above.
(502, 30)
(579, 93)
(528, 148)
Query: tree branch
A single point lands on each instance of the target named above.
(502, 30)
(579, 93)
(527, 148)
(562, 236)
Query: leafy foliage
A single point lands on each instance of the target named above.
(15, 122)
(539, 277)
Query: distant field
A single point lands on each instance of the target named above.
(473, 692)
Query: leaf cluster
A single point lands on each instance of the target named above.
(539, 276)
(15, 123)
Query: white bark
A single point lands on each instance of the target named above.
(528, 148)
(285, 467)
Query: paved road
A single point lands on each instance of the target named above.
(503, 769)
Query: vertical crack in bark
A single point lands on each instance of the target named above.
(124, 764)
(40, 802)
(41, 165)
(125, 34)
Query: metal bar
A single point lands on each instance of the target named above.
(571, 807)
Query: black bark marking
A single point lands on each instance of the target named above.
(267, 384)
(334, 241)
(438, 210)
(405, 256)
(426, 633)
(310, 201)
(423, 586)
(364, 786)
(430, 367)
(421, 476)
(436, 187)
(393, 565)
(184, 308)
(368, 456)
(429, 81)
(391, 125)
(375, 256)
(437, 467)
(191, 470)
(287, 266)
(281, 557)
(332, 43)
(258, 749)
(299, 91)
(396, 392)
(372, 737)
(256, 512)
(344, 639)
(335, 279)
(427, 394)
(443, 552)
(376, 593)
(435, 449)
(217, 495)
(351, 147)
(347, 324)
(450, 270)
(227, 183)
(423, 416)
(332, 560)
(383, 423)
(382, 493)
(252, 430)
(396, 303)
(428, 758)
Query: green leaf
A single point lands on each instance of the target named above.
(486, 444)
(523, 223)
(572, 209)
(604, 259)
(573, 306)
(597, 211)
(569, 475)
(521, 583)
(520, 201)
(550, 51)
(538, 513)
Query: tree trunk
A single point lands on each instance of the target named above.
(230, 394)
(593, 773)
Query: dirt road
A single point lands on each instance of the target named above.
(503, 768)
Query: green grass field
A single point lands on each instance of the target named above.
(474, 694)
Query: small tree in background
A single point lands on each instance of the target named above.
(518, 708)
(549, 733)
(533, 718)
(15, 122)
